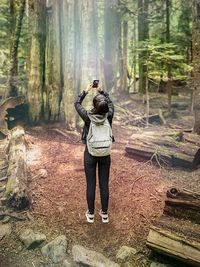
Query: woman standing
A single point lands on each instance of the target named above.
(103, 110)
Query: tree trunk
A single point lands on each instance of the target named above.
(111, 34)
(90, 60)
(196, 64)
(72, 51)
(14, 50)
(125, 54)
(169, 82)
(52, 94)
(143, 34)
(78, 36)
(37, 63)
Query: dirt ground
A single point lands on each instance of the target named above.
(137, 190)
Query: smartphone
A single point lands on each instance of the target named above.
(95, 83)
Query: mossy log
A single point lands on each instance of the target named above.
(184, 205)
(17, 185)
(167, 147)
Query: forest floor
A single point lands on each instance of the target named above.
(137, 189)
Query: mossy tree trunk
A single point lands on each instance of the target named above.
(143, 35)
(196, 64)
(37, 63)
(72, 51)
(14, 47)
(52, 93)
(112, 24)
(123, 56)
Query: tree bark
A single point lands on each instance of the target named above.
(72, 47)
(112, 24)
(125, 55)
(37, 63)
(13, 91)
(168, 37)
(143, 34)
(196, 64)
(52, 93)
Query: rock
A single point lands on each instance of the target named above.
(68, 263)
(125, 253)
(56, 249)
(31, 239)
(5, 230)
(91, 258)
(130, 264)
(42, 173)
(6, 219)
(158, 264)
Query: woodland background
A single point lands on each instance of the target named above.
(50, 50)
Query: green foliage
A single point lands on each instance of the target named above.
(161, 56)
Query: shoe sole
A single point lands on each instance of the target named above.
(89, 220)
(103, 220)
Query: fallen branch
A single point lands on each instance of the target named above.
(135, 181)
(3, 179)
(12, 215)
(39, 213)
(4, 167)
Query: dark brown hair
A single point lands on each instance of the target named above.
(100, 105)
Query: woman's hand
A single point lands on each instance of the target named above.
(88, 88)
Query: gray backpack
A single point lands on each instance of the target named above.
(99, 139)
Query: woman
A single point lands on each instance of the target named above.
(103, 108)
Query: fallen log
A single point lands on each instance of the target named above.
(17, 185)
(183, 205)
(177, 239)
(165, 147)
(141, 121)
(170, 155)
(192, 138)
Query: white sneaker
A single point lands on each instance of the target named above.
(89, 217)
(104, 216)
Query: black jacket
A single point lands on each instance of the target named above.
(84, 113)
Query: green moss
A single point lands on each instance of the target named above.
(10, 186)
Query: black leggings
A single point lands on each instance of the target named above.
(90, 164)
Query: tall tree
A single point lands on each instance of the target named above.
(143, 35)
(168, 39)
(52, 93)
(72, 50)
(123, 56)
(196, 60)
(37, 62)
(112, 24)
(14, 48)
